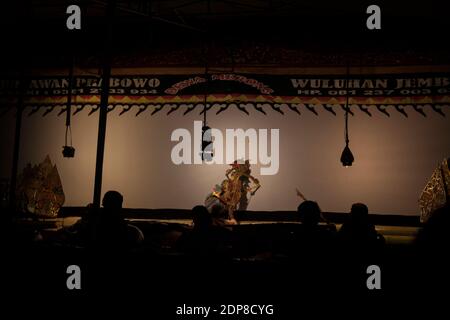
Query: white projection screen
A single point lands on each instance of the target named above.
(394, 157)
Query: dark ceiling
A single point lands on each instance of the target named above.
(36, 31)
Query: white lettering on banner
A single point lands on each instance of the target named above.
(339, 83)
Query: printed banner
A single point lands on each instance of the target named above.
(230, 87)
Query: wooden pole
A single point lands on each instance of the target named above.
(106, 74)
(18, 128)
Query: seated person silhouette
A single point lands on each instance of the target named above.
(358, 231)
(106, 227)
(205, 237)
(310, 237)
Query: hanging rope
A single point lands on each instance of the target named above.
(68, 133)
(206, 94)
(205, 109)
(346, 105)
(68, 150)
(206, 152)
(69, 102)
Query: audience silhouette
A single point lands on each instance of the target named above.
(311, 245)
(358, 231)
(311, 238)
(106, 228)
(201, 219)
(206, 237)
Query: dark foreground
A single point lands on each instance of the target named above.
(157, 279)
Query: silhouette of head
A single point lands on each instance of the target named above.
(201, 217)
(309, 213)
(112, 200)
(359, 212)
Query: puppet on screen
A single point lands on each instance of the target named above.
(233, 192)
(436, 193)
(39, 190)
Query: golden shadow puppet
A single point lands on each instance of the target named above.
(232, 192)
